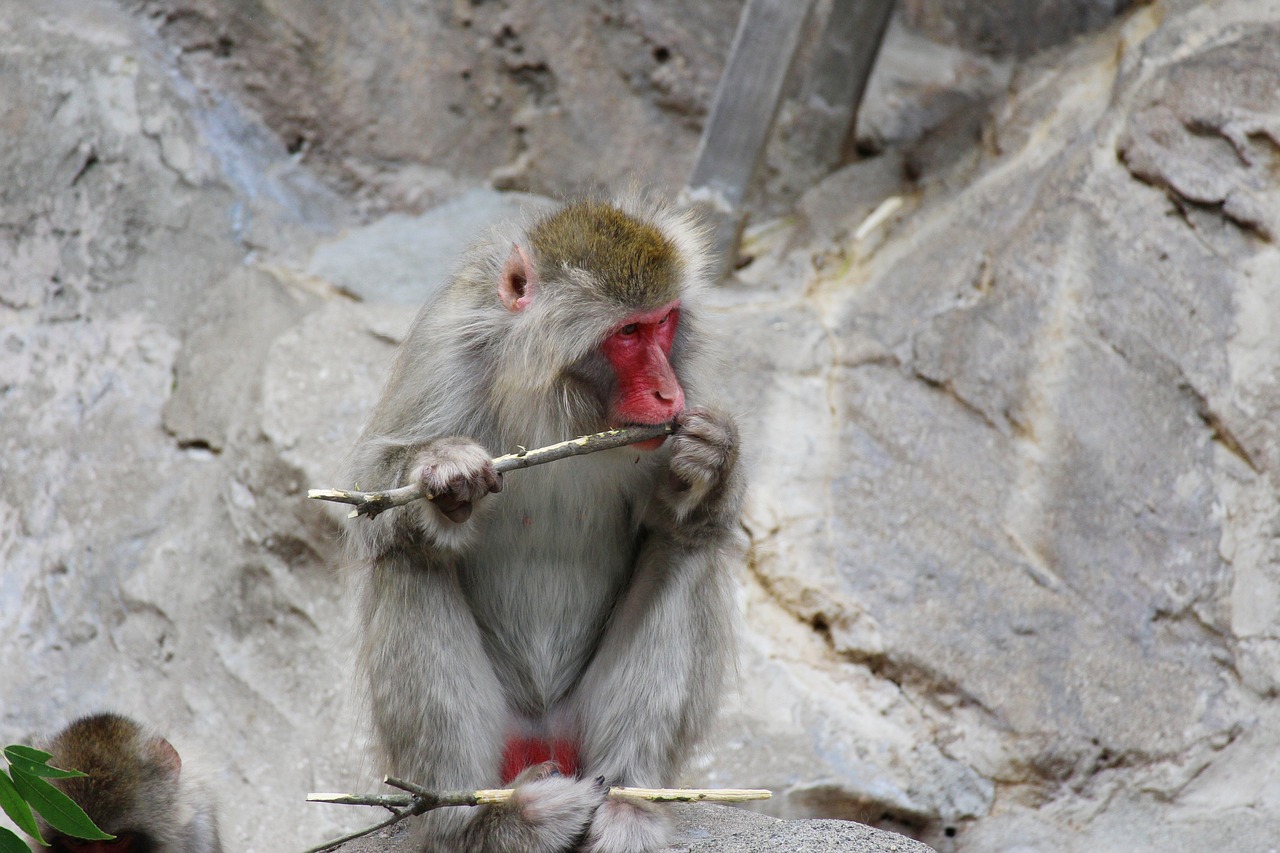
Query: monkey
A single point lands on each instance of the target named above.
(135, 789)
(569, 628)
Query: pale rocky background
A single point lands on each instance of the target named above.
(1014, 572)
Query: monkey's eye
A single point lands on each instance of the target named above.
(665, 318)
(629, 329)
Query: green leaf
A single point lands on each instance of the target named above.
(56, 807)
(10, 843)
(26, 753)
(36, 762)
(16, 808)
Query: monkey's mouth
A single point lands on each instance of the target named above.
(649, 443)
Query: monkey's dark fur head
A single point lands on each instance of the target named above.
(129, 771)
(632, 261)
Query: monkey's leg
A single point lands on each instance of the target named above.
(654, 684)
(440, 715)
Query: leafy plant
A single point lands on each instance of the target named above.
(24, 788)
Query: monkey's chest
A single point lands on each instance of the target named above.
(541, 585)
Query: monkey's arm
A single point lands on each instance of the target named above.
(654, 684)
(655, 681)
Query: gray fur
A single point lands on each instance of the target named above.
(589, 600)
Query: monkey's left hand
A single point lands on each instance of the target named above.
(456, 472)
(704, 456)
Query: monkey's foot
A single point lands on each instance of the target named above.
(622, 826)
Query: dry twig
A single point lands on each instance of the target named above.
(420, 800)
(372, 503)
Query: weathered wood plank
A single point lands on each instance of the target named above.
(742, 114)
(842, 66)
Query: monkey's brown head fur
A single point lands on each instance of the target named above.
(127, 767)
(630, 259)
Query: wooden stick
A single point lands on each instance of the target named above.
(372, 503)
(420, 800)
(492, 796)
(691, 795)
(360, 833)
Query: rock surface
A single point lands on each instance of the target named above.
(722, 829)
(1014, 575)
(515, 91)
(1009, 26)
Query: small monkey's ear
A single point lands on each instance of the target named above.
(517, 284)
(167, 756)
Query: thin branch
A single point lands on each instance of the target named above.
(691, 795)
(491, 796)
(420, 800)
(395, 818)
(372, 503)
(387, 801)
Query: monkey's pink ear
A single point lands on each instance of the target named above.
(517, 284)
(167, 756)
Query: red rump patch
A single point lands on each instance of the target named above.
(522, 752)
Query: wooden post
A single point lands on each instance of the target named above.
(750, 92)
(846, 54)
(742, 115)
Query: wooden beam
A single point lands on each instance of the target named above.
(842, 66)
(742, 114)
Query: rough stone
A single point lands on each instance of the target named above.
(141, 573)
(1028, 411)
(724, 829)
(1014, 570)
(1206, 131)
(231, 331)
(1016, 27)
(513, 92)
(414, 255)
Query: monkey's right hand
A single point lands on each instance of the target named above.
(456, 472)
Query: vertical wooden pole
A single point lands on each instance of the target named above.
(750, 92)
(842, 66)
(742, 114)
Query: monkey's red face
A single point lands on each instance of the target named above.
(639, 350)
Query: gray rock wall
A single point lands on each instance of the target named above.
(1013, 580)
(527, 93)
(1044, 435)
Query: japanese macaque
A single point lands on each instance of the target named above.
(572, 632)
(135, 790)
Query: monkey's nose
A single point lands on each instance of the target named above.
(671, 398)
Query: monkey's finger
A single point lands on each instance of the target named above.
(469, 487)
(702, 425)
(460, 513)
(494, 479)
(455, 510)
